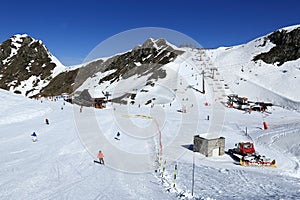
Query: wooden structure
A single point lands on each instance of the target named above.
(99, 102)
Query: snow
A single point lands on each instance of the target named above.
(60, 164)
(265, 81)
(57, 166)
(137, 63)
(33, 110)
(26, 85)
(16, 40)
(59, 66)
(290, 28)
(91, 84)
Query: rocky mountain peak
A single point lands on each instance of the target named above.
(157, 44)
(149, 43)
(25, 64)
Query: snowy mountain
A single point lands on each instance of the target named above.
(134, 71)
(158, 104)
(287, 42)
(26, 65)
(265, 69)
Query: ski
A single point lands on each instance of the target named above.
(95, 161)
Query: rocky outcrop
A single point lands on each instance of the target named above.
(68, 81)
(141, 61)
(287, 47)
(25, 64)
(144, 60)
(62, 83)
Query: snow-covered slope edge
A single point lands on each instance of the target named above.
(16, 108)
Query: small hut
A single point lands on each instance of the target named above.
(209, 147)
(99, 102)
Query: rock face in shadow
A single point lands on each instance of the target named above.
(287, 47)
(62, 83)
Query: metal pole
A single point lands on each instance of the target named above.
(203, 89)
(193, 175)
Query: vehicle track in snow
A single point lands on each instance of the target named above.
(274, 139)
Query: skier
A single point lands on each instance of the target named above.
(118, 136)
(101, 156)
(47, 121)
(34, 137)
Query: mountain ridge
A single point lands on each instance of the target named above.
(41, 74)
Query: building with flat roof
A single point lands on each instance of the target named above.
(209, 147)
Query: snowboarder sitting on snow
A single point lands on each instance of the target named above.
(101, 156)
(47, 121)
(34, 137)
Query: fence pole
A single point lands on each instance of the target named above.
(175, 174)
(193, 175)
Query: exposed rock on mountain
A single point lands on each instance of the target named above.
(28, 68)
(146, 60)
(142, 60)
(26, 65)
(287, 47)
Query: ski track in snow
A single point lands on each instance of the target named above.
(57, 167)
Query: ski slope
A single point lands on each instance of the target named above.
(258, 80)
(60, 166)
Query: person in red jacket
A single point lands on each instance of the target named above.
(101, 156)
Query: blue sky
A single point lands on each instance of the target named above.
(72, 29)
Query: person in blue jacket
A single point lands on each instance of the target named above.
(118, 136)
(34, 137)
